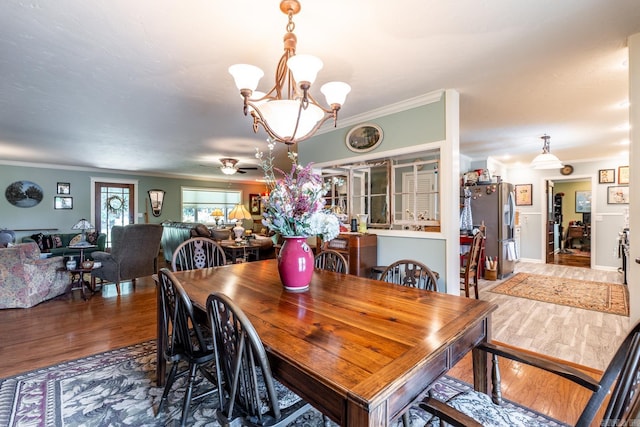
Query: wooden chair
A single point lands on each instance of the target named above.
(249, 395)
(470, 273)
(331, 260)
(185, 341)
(411, 273)
(624, 400)
(196, 253)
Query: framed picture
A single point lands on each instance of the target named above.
(623, 175)
(583, 201)
(64, 188)
(24, 194)
(255, 204)
(364, 137)
(63, 202)
(606, 176)
(618, 195)
(523, 194)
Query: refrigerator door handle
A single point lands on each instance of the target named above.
(512, 209)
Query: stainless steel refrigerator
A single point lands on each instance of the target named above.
(494, 205)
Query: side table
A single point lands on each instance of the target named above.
(235, 251)
(78, 282)
(82, 248)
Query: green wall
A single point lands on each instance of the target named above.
(415, 126)
(43, 216)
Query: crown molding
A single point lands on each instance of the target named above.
(418, 101)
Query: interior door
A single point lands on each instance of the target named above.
(550, 231)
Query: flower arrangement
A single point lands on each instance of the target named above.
(295, 206)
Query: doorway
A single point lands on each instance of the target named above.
(569, 229)
(114, 204)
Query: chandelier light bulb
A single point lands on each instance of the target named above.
(304, 68)
(335, 92)
(246, 76)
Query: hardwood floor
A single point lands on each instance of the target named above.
(573, 259)
(68, 328)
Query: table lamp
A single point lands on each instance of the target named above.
(217, 214)
(239, 212)
(83, 225)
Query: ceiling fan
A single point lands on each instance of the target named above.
(229, 167)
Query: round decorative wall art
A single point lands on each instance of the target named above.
(364, 137)
(115, 204)
(24, 194)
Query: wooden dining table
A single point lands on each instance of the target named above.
(359, 350)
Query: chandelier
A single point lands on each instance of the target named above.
(288, 112)
(546, 160)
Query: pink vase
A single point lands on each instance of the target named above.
(295, 264)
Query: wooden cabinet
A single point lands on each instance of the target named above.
(360, 250)
(550, 242)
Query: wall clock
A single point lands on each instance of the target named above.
(566, 170)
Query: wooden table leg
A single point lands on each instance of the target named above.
(161, 364)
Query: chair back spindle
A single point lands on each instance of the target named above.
(197, 253)
(411, 273)
(331, 260)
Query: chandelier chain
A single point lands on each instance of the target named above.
(291, 25)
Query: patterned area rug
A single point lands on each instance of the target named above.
(117, 388)
(598, 296)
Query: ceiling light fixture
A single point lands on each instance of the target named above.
(546, 160)
(228, 166)
(288, 112)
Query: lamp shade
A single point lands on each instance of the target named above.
(83, 224)
(246, 76)
(546, 161)
(228, 170)
(217, 212)
(335, 92)
(304, 67)
(282, 115)
(239, 212)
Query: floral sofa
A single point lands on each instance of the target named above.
(26, 279)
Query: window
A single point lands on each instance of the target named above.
(199, 203)
(416, 206)
(336, 197)
(370, 192)
(401, 192)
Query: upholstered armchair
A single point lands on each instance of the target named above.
(134, 253)
(26, 280)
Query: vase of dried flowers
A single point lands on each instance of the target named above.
(295, 264)
(295, 209)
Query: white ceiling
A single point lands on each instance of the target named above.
(143, 86)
